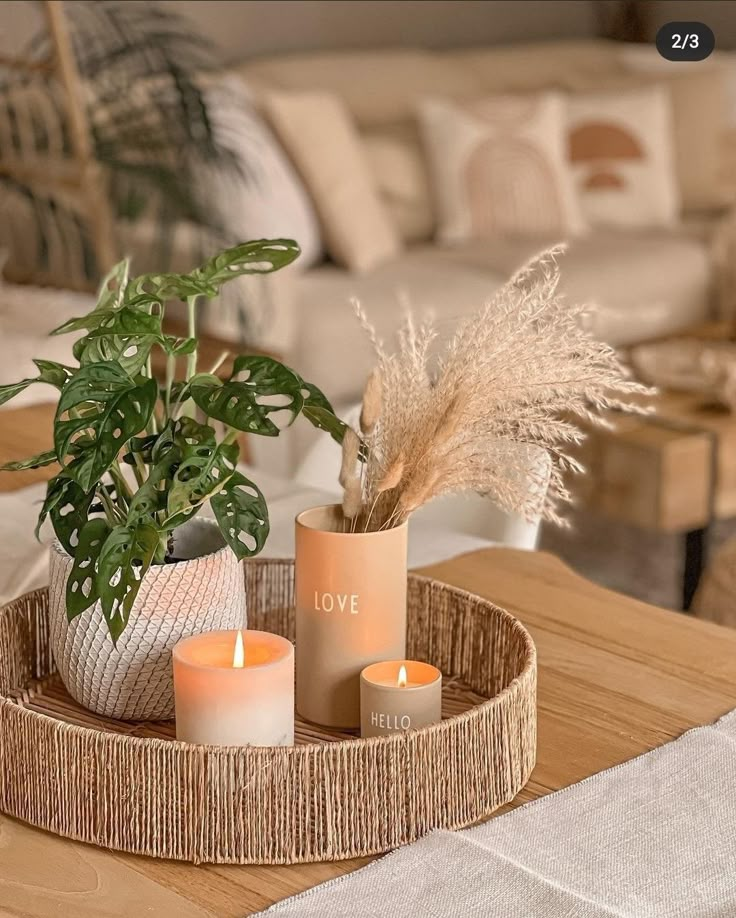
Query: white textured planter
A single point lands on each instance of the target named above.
(133, 680)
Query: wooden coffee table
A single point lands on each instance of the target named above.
(671, 472)
(616, 678)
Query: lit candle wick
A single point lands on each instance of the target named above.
(401, 681)
(239, 653)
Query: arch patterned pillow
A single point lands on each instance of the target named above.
(499, 167)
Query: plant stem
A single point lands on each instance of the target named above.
(170, 369)
(188, 408)
(113, 517)
(139, 469)
(152, 426)
(192, 332)
(121, 485)
(231, 436)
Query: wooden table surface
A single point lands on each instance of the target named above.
(616, 678)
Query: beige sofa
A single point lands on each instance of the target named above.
(644, 283)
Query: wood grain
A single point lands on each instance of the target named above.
(23, 433)
(616, 678)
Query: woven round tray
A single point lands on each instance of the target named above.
(132, 787)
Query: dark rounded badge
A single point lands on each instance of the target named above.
(685, 41)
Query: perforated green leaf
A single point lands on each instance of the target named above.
(190, 432)
(268, 387)
(50, 372)
(34, 462)
(114, 408)
(128, 322)
(10, 390)
(54, 373)
(130, 353)
(162, 287)
(242, 515)
(152, 495)
(125, 337)
(124, 559)
(81, 585)
(320, 413)
(205, 469)
(178, 347)
(69, 513)
(142, 446)
(260, 257)
(59, 488)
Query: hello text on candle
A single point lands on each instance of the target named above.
(336, 602)
(390, 721)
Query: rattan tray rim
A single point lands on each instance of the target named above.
(518, 693)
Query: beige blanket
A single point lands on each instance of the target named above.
(654, 838)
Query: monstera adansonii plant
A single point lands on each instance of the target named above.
(112, 414)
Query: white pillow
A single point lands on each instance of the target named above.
(499, 167)
(268, 199)
(622, 154)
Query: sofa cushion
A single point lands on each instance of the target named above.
(698, 100)
(643, 284)
(702, 107)
(621, 149)
(399, 169)
(262, 197)
(319, 135)
(333, 350)
(500, 166)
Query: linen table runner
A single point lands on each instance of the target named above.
(653, 838)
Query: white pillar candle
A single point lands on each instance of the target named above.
(234, 688)
(399, 695)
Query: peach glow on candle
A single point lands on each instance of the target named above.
(235, 688)
(399, 695)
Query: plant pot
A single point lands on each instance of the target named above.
(350, 611)
(134, 680)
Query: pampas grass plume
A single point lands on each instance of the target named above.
(352, 501)
(350, 450)
(371, 409)
(392, 478)
(519, 379)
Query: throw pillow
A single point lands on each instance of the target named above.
(499, 167)
(262, 197)
(621, 149)
(400, 172)
(317, 132)
(702, 108)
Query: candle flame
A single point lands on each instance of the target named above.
(401, 681)
(239, 654)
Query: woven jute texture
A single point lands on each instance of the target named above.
(133, 680)
(330, 796)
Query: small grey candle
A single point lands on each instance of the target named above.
(399, 695)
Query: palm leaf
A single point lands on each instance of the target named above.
(149, 122)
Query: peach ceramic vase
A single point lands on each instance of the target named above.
(350, 611)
